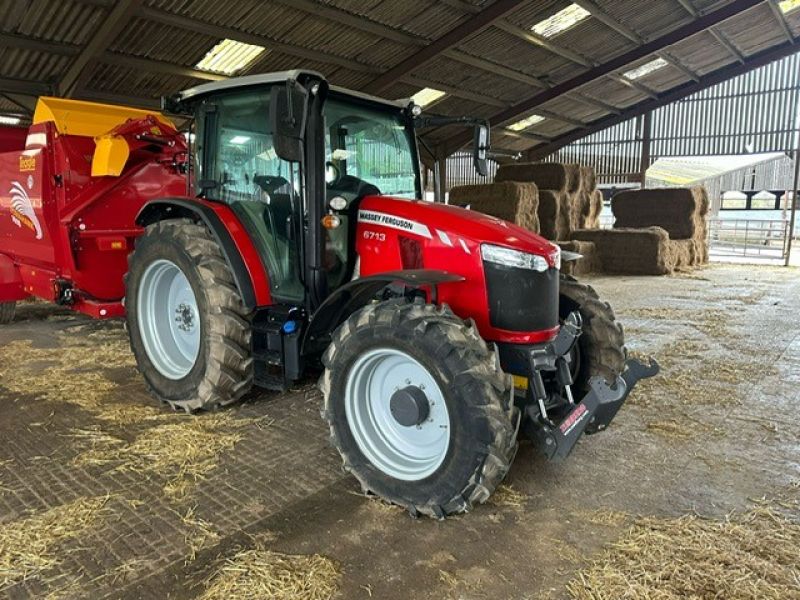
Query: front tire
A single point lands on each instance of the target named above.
(7, 311)
(188, 327)
(455, 444)
(601, 347)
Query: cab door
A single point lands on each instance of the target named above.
(238, 165)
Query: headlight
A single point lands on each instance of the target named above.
(513, 258)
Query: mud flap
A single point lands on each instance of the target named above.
(592, 414)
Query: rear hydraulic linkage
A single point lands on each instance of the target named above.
(594, 412)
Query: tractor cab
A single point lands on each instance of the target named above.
(293, 157)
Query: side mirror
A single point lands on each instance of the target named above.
(480, 149)
(288, 110)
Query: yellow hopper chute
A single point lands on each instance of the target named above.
(96, 120)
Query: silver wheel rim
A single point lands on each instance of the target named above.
(169, 321)
(409, 453)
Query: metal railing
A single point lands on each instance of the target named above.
(754, 238)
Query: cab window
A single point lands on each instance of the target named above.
(244, 171)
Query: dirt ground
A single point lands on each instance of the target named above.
(103, 494)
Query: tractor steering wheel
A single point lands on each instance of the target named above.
(270, 183)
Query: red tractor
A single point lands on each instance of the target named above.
(291, 229)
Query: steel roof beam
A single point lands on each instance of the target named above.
(455, 91)
(26, 103)
(492, 67)
(470, 27)
(28, 43)
(462, 5)
(711, 19)
(689, 7)
(720, 75)
(723, 41)
(221, 32)
(639, 87)
(782, 22)
(677, 64)
(112, 58)
(350, 20)
(609, 21)
(721, 38)
(134, 101)
(116, 20)
(157, 66)
(24, 87)
(554, 116)
(542, 42)
(33, 89)
(593, 102)
(524, 135)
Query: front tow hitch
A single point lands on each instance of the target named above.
(592, 414)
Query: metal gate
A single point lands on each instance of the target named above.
(732, 239)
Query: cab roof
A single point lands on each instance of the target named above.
(277, 77)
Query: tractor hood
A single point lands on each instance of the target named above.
(454, 225)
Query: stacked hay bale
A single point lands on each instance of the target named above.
(643, 251)
(511, 201)
(681, 212)
(655, 232)
(568, 195)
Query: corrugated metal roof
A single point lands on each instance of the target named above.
(489, 77)
(503, 48)
(60, 21)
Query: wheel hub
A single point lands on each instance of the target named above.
(409, 406)
(184, 317)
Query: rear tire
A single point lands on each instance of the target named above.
(480, 417)
(194, 355)
(7, 311)
(602, 344)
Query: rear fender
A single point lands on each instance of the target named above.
(237, 247)
(358, 293)
(11, 286)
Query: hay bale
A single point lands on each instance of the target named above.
(547, 176)
(583, 266)
(549, 214)
(588, 179)
(681, 254)
(592, 220)
(680, 211)
(571, 203)
(511, 201)
(631, 251)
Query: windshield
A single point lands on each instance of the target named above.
(371, 145)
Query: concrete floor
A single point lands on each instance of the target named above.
(716, 430)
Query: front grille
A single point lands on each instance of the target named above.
(522, 299)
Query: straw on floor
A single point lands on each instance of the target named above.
(259, 573)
